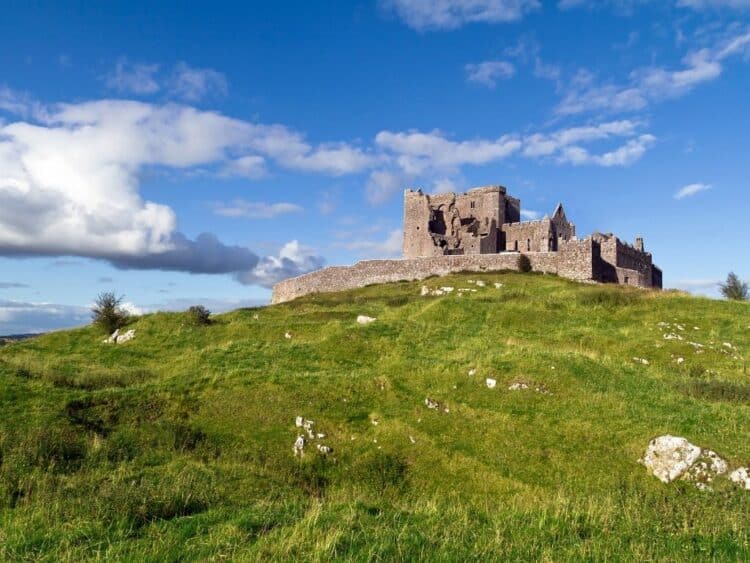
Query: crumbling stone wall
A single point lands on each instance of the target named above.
(529, 236)
(573, 262)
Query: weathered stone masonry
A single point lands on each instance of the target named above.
(481, 231)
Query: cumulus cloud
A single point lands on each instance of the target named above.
(293, 260)
(530, 215)
(691, 190)
(489, 72)
(424, 15)
(193, 84)
(69, 183)
(133, 78)
(650, 84)
(255, 210)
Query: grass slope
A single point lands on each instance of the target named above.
(178, 445)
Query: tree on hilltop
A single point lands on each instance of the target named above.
(734, 288)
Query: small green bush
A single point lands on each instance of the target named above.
(199, 315)
(107, 312)
(524, 264)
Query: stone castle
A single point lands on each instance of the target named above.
(482, 230)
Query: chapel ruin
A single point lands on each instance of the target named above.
(481, 230)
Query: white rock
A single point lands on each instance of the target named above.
(365, 320)
(299, 446)
(447, 289)
(425, 291)
(498, 285)
(472, 371)
(113, 337)
(727, 345)
(741, 477)
(127, 337)
(288, 335)
(412, 440)
(668, 457)
(643, 361)
(299, 421)
(325, 450)
(491, 383)
(680, 360)
(518, 386)
(255, 317)
(320, 435)
(480, 283)
(431, 404)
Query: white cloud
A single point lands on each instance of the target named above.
(69, 183)
(293, 260)
(530, 215)
(691, 190)
(133, 78)
(623, 155)
(489, 72)
(424, 15)
(193, 84)
(418, 151)
(391, 247)
(255, 210)
(650, 84)
(414, 156)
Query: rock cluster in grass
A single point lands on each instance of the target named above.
(365, 320)
(670, 458)
(445, 290)
(117, 338)
(299, 444)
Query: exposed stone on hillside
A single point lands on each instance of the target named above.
(365, 320)
(668, 457)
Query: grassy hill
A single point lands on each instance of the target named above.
(178, 444)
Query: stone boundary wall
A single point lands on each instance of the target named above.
(574, 262)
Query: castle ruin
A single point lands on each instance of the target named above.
(481, 230)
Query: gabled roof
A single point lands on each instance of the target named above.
(559, 211)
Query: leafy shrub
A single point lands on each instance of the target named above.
(199, 315)
(734, 288)
(524, 264)
(107, 312)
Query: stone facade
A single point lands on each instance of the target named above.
(481, 231)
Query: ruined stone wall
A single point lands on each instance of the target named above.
(528, 236)
(574, 262)
(417, 239)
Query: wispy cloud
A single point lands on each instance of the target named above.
(13, 285)
(133, 78)
(194, 84)
(425, 15)
(254, 209)
(489, 72)
(651, 84)
(691, 190)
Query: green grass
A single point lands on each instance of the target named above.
(178, 445)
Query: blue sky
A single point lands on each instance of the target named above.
(181, 156)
